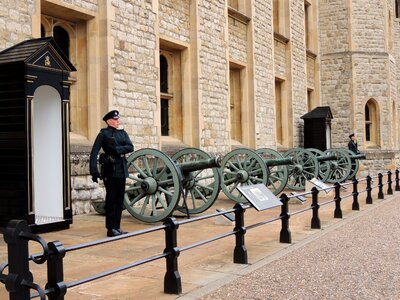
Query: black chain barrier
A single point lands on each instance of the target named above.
(19, 280)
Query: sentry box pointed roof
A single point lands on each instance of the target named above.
(320, 112)
(43, 52)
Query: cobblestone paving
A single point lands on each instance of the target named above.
(358, 260)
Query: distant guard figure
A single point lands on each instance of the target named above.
(115, 143)
(353, 146)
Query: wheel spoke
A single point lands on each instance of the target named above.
(161, 200)
(251, 165)
(146, 165)
(140, 171)
(206, 187)
(145, 203)
(192, 196)
(155, 166)
(165, 191)
(132, 188)
(273, 184)
(239, 162)
(232, 165)
(153, 206)
(162, 172)
(166, 182)
(133, 177)
(256, 171)
(201, 195)
(137, 198)
(233, 187)
(255, 179)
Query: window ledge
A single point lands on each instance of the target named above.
(311, 54)
(233, 13)
(372, 146)
(281, 38)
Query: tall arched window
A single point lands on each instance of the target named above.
(71, 36)
(371, 123)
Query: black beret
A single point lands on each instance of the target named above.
(114, 114)
(351, 135)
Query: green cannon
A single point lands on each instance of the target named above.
(277, 166)
(157, 183)
(246, 167)
(345, 167)
(334, 165)
(305, 167)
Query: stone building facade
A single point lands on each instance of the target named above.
(220, 74)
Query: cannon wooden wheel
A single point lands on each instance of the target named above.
(324, 166)
(153, 186)
(304, 167)
(277, 175)
(202, 186)
(341, 168)
(241, 167)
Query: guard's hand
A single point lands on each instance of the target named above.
(95, 177)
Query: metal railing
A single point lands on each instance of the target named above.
(20, 281)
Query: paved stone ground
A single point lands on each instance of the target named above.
(357, 258)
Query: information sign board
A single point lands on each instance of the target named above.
(259, 196)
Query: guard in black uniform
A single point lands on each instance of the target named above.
(115, 143)
(353, 146)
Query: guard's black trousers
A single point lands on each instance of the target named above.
(115, 190)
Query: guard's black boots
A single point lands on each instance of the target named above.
(113, 232)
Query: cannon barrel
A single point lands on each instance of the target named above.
(187, 167)
(279, 161)
(327, 157)
(273, 162)
(358, 156)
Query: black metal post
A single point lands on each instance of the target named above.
(380, 186)
(356, 205)
(315, 221)
(55, 271)
(397, 186)
(18, 260)
(240, 251)
(338, 210)
(368, 200)
(285, 234)
(172, 278)
(389, 183)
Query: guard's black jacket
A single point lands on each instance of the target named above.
(353, 146)
(115, 144)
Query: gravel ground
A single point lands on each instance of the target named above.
(358, 260)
